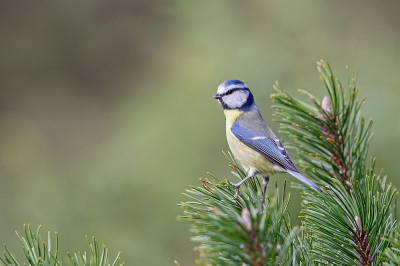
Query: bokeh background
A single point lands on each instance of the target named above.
(106, 113)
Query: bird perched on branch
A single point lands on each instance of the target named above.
(252, 143)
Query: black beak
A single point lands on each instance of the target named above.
(217, 96)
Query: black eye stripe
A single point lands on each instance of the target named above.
(233, 90)
(229, 92)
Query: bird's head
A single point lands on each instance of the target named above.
(234, 94)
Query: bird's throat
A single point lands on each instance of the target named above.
(231, 116)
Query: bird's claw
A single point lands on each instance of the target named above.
(236, 186)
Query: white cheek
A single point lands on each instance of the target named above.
(236, 99)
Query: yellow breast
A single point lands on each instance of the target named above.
(245, 156)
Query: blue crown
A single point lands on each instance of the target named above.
(235, 82)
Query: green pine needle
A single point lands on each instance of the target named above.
(352, 222)
(40, 253)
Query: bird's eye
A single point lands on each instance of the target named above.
(229, 92)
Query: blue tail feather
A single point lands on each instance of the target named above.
(303, 179)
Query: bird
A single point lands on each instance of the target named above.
(253, 144)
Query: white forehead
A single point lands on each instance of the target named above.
(230, 84)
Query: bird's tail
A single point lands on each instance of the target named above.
(303, 179)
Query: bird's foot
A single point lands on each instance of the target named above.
(236, 186)
(263, 202)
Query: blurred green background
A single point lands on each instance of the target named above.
(106, 113)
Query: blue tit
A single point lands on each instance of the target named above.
(252, 143)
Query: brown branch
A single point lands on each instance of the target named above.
(337, 160)
(361, 239)
(256, 250)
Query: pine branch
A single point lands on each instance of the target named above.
(40, 253)
(335, 218)
(361, 240)
(329, 133)
(393, 253)
(348, 224)
(332, 140)
(234, 231)
(331, 137)
(96, 258)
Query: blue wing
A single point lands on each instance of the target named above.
(270, 148)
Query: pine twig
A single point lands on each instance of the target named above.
(333, 139)
(240, 231)
(41, 253)
(329, 134)
(361, 239)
